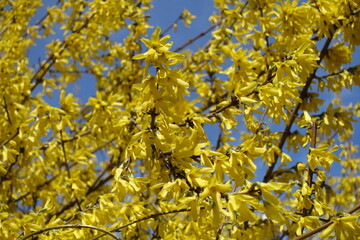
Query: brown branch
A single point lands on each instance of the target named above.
(303, 95)
(218, 233)
(96, 185)
(155, 215)
(270, 75)
(9, 139)
(313, 145)
(103, 145)
(261, 120)
(234, 102)
(322, 227)
(41, 20)
(207, 45)
(8, 171)
(78, 136)
(135, 123)
(310, 171)
(73, 202)
(106, 232)
(2, 178)
(37, 188)
(266, 35)
(210, 103)
(158, 210)
(191, 40)
(67, 165)
(64, 153)
(294, 113)
(349, 69)
(7, 111)
(171, 25)
(38, 77)
(98, 179)
(218, 142)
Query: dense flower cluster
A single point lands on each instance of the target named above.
(135, 161)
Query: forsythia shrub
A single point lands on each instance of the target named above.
(135, 160)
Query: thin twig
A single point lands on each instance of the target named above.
(313, 145)
(64, 153)
(67, 166)
(96, 184)
(9, 139)
(106, 232)
(42, 20)
(261, 120)
(171, 25)
(77, 136)
(191, 40)
(159, 211)
(135, 123)
(7, 111)
(303, 96)
(155, 215)
(234, 102)
(38, 77)
(37, 188)
(218, 142)
(294, 113)
(218, 234)
(310, 171)
(322, 227)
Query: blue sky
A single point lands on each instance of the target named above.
(164, 12)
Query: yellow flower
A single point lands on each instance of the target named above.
(158, 53)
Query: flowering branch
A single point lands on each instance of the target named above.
(142, 219)
(71, 226)
(322, 227)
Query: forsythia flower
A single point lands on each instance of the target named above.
(158, 53)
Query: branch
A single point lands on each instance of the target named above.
(71, 226)
(294, 113)
(303, 95)
(25, 35)
(322, 227)
(11, 138)
(207, 45)
(351, 70)
(191, 40)
(64, 153)
(41, 20)
(37, 188)
(77, 136)
(171, 25)
(96, 185)
(7, 111)
(313, 145)
(39, 75)
(234, 102)
(218, 233)
(143, 219)
(67, 165)
(261, 120)
(310, 171)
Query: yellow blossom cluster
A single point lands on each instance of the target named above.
(136, 160)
